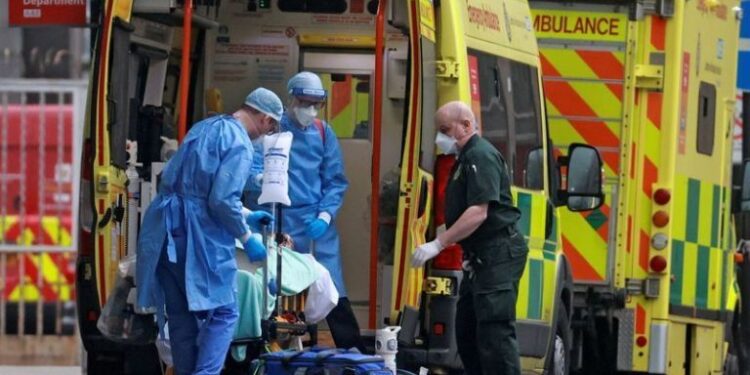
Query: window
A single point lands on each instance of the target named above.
(706, 118)
(347, 108)
(494, 116)
(117, 96)
(511, 114)
(524, 90)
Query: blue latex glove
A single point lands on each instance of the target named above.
(316, 228)
(255, 249)
(257, 219)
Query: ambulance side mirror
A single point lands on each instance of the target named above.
(583, 191)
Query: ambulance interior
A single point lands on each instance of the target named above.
(243, 45)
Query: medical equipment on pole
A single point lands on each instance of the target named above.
(275, 187)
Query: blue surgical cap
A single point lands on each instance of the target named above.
(266, 101)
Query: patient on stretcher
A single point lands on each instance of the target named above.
(300, 272)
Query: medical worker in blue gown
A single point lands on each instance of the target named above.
(316, 189)
(186, 246)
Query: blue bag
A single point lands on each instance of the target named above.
(321, 361)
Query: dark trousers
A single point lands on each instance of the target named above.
(199, 339)
(486, 317)
(486, 347)
(344, 326)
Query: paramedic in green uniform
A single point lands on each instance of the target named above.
(481, 217)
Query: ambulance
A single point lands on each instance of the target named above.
(387, 65)
(650, 84)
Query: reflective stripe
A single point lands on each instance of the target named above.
(657, 356)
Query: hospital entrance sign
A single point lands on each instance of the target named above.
(47, 12)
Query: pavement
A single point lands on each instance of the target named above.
(40, 370)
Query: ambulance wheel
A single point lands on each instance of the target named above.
(558, 354)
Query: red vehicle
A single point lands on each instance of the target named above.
(36, 216)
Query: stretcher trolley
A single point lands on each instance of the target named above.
(282, 325)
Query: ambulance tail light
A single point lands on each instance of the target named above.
(660, 219)
(662, 196)
(451, 258)
(658, 263)
(641, 341)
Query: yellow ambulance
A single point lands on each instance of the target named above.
(387, 66)
(650, 84)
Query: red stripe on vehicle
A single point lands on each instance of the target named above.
(582, 270)
(46, 292)
(570, 103)
(658, 32)
(606, 66)
(640, 319)
(654, 108)
(341, 96)
(616, 89)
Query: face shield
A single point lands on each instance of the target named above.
(306, 108)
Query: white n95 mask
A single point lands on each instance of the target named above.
(305, 115)
(446, 143)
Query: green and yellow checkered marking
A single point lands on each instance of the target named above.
(698, 245)
(536, 288)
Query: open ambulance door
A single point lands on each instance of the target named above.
(132, 104)
(416, 182)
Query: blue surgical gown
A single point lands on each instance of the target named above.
(199, 198)
(317, 183)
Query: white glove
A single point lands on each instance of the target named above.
(425, 252)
